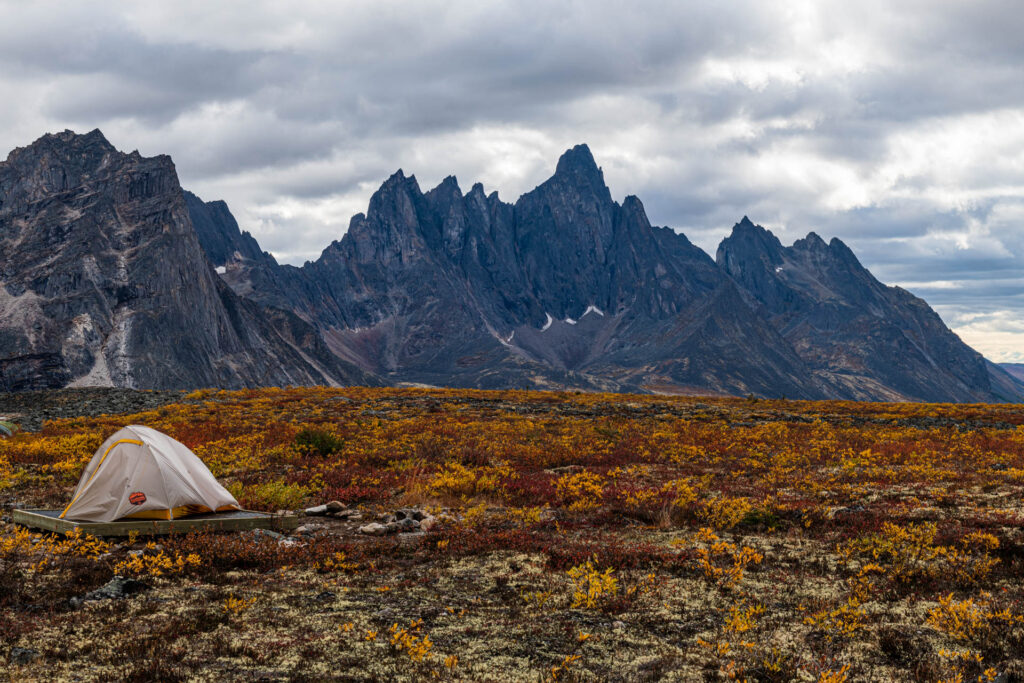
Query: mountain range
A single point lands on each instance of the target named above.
(114, 275)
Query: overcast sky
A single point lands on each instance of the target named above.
(897, 127)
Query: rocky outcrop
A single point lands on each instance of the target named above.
(104, 283)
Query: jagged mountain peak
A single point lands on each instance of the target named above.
(577, 177)
(395, 194)
(812, 242)
(633, 203)
(751, 244)
(69, 139)
(219, 234)
(755, 257)
(81, 152)
(447, 188)
(844, 253)
(833, 254)
(577, 167)
(748, 243)
(396, 180)
(746, 228)
(577, 159)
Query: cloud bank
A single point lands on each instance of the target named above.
(898, 127)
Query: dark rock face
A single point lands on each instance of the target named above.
(218, 232)
(867, 340)
(567, 288)
(104, 282)
(112, 275)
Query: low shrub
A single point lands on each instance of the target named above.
(318, 442)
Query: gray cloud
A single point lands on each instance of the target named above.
(898, 127)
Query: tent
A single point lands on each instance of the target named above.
(139, 473)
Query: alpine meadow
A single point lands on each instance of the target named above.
(511, 341)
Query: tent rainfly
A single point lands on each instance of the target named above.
(139, 473)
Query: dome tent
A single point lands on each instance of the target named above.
(139, 473)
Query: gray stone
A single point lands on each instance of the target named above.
(384, 617)
(373, 529)
(117, 588)
(335, 506)
(316, 511)
(407, 524)
(20, 656)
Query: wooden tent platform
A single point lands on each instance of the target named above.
(237, 520)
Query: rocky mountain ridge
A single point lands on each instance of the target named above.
(871, 339)
(114, 275)
(568, 288)
(104, 283)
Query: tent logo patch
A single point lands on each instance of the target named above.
(137, 498)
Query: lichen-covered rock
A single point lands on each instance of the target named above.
(117, 588)
(407, 524)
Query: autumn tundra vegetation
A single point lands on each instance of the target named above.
(579, 537)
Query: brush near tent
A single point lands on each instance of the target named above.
(140, 473)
